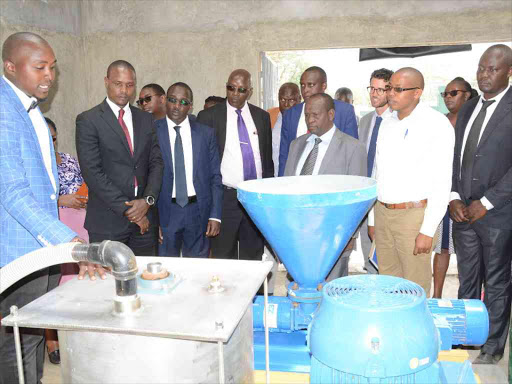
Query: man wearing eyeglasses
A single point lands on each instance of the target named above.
(312, 81)
(245, 147)
(413, 161)
(122, 165)
(190, 203)
(368, 134)
(152, 99)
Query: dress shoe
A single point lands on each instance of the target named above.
(54, 357)
(487, 358)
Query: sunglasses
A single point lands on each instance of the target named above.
(399, 90)
(144, 100)
(173, 100)
(232, 88)
(378, 91)
(452, 93)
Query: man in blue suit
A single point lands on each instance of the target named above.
(29, 188)
(312, 81)
(190, 203)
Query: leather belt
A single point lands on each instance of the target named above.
(191, 199)
(408, 205)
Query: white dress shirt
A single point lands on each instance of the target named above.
(41, 128)
(302, 128)
(232, 166)
(489, 112)
(186, 140)
(385, 114)
(414, 161)
(322, 149)
(276, 142)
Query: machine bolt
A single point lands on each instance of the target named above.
(215, 285)
(295, 286)
(14, 311)
(219, 324)
(295, 304)
(319, 287)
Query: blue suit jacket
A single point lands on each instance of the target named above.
(206, 172)
(344, 119)
(28, 204)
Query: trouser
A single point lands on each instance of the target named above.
(141, 245)
(478, 245)
(366, 245)
(395, 238)
(340, 269)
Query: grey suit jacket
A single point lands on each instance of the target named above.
(345, 156)
(364, 128)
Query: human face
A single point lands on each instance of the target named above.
(120, 85)
(152, 106)
(236, 98)
(493, 73)
(311, 84)
(403, 102)
(378, 101)
(453, 103)
(288, 97)
(32, 69)
(176, 111)
(318, 119)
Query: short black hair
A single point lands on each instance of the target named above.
(215, 99)
(159, 91)
(50, 122)
(328, 100)
(467, 87)
(120, 64)
(183, 85)
(383, 73)
(344, 91)
(15, 40)
(319, 70)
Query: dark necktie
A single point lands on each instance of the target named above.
(245, 146)
(373, 145)
(309, 164)
(34, 105)
(128, 138)
(180, 177)
(470, 149)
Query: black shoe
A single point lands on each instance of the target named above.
(54, 357)
(487, 358)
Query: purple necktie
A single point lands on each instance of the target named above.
(245, 146)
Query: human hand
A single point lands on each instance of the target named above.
(143, 224)
(371, 232)
(138, 209)
(350, 245)
(72, 201)
(423, 244)
(77, 239)
(213, 228)
(160, 236)
(476, 210)
(91, 269)
(457, 213)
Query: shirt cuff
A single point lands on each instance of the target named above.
(454, 196)
(211, 218)
(486, 203)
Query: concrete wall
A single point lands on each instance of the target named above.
(201, 42)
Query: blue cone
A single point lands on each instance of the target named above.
(308, 220)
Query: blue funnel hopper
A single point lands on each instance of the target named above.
(308, 220)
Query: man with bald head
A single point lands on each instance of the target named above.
(312, 81)
(325, 150)
(245, 148)
(289, 95)
(481, 196)
(413, 166)
(29, 187)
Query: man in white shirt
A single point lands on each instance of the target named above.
(413, 170)
(481, 196)
(325, 150)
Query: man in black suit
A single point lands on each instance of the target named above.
(244, 138)
(122, 165)
(481, 198)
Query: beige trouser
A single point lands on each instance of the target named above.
(395, 237)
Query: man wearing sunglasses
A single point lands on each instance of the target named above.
(152, 99)
(122, 165)
(244, 138)
(413, 163)
(190, 203)
(312, 81)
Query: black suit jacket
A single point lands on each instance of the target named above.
(109, 168)
(216, 117)
(492, 167)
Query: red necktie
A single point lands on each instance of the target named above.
(127, 134)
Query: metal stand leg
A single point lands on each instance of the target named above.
(267, 350)
(17, 343)
(222, 378)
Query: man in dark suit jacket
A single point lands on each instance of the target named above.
(312, 81)
(122, 165)
(481, 198)
(192, 184)
(245, 147)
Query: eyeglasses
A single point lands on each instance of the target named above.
(232, 88)
(452, 93)
(173, 100)
(399, 90)
(144, 100)
(379, 91)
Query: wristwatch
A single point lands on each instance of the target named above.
(150, 200)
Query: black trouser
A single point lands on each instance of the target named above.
(239, 238)
(484, 256)
(141, 245)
